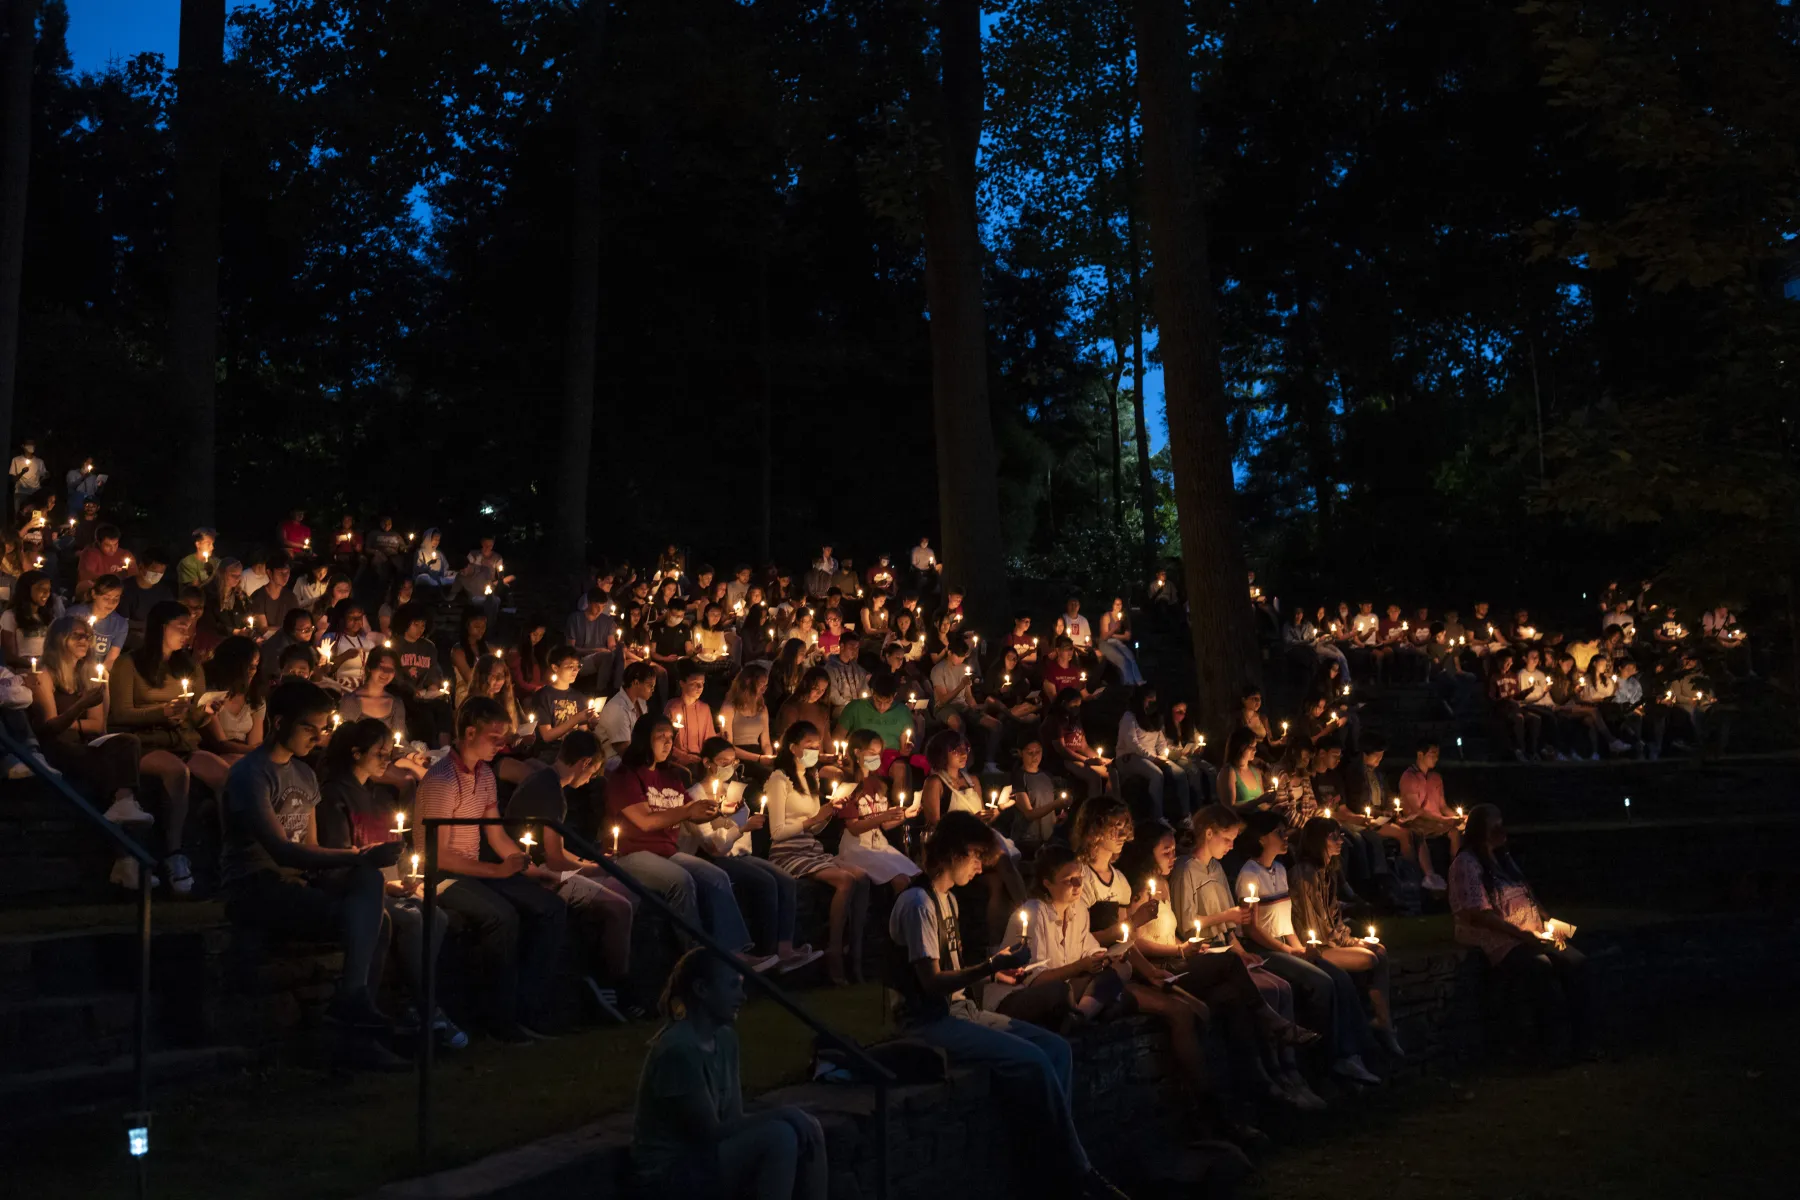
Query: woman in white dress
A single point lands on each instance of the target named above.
(869, 813)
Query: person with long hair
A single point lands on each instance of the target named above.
(1495, 911)
(471, 647)
(348, 817)
(1220, 980)
(1115, 644)
(1524, 728)
(1143, 754)
(1031, 1066)
(797, 815)
(68, 712)
(29, 614)
(1070, 974)
(153, 694)
(692, 1136)
(951, 787)
(520, 756)
(743, 720)
(236, 725)
(373, 699)
(645, 800)
(1330, 995)
(227, 610)
(1316, 881)
(806, 705)
(786, 672)
(1201, 895)
(1086, 765)
(726, 839)
(529, 660)
(869, 812)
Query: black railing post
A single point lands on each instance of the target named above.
(141, 1118)
(428, 1002)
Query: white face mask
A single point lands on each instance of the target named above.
(152, 578)
(809, 759)
(871, 763)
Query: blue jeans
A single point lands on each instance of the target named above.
(1321, 989)
(769, 892)
(1167, 784)
(1120, 656)
(696, 889)
(1032, 1064)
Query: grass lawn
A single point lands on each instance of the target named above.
(288, 1134)
(1695, 1113)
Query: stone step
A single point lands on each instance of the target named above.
(54, 1091)
(89, 1028)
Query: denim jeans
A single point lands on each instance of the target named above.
(770, 894)
(695, 888)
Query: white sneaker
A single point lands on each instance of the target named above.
(1352, 1067)
(125, 873)
(125, 811)
(181, 874)
(762, 965)
(1619, 747)
(1435, 883)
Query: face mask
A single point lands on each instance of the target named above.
(152, 578)
(809, 759)
(871, 763)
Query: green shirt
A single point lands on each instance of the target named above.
(677, 1067)
(195, 570)
(861, 714)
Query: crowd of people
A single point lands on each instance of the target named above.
(726, 739)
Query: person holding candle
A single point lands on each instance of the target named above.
(68, 712)
(349, 818)
(743, 720)
(952, 788)
(797, 816)
(471, 647)
(1318, 909)
(103, 557)
(1496, 912)
(1115, 644)
(1524, 728)
(372, 699)
(869, 813)
(726, 840)
(1062, 673)
(145, 587)
(1072, 974)
(1031, 1066)
(236, 725)
(1040, 803)
(646, 800)
(626, 708)
(1242, 781)
(34, 607)
(1325, 989)
(197, 568)
(1062, 730)
(881, 713)
(805, 705)
(1425, 812)
(558, 709)
(508, 902)
(521, 756)
(276, 876)
(152, 693)
(1144, 755)
(692, 1135)
(692, 718)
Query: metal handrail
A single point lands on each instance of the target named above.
(138, 1121)
(881, 1076)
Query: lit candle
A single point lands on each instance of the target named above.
(1369, 812)
(34, 669)
(399, 740)
(1459, 812)
(1312, 937)
(1372, 939)
(400, 822)
(1196, 936)
(415, 865)
(336, 720)
(1024, 924)
(128, 560)
(186, 693)
(1151, 887)
(527, 841)
(1124, 932)
(762, 805)
(615, 841)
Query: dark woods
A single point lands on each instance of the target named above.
(1500, 287)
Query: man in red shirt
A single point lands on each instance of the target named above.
(1062, 673)
(296, 535)
(508, 902)
(104, 557)
(1424, 812)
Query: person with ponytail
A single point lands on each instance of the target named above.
(691, 1134)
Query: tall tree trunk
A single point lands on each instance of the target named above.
(968, 496)
(576, 428)
(1146, 481)
(194, 258)
(1193, 386)
(15, 163)
(765, 417)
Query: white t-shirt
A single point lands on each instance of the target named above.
(1274, 910)
(29, 473)
(1094, 889)
(1078, 630)
(913, 924)
(30, 645)
(923, 558)
(1365, 625)
(1055, 941)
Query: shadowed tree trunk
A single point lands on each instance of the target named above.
(194, 258)
(1193, 387)
(20, 33)
(1146, 482)
(968, 495)
(576, 427)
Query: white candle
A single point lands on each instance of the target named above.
(615, 841)
(527, 841)
(415, 864)
(399, 740)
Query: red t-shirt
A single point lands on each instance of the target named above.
(94, 563)
(638, 785)
(294, 534)
(1058, 678)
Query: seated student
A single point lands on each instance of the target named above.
(558, 709)
(1367, 797)
(1144, 754)
(528, 662)
(953, 696)
(154, 694)
(1580, 721)
(1031, 1066)
(1317, 909)
(1251, 717)
(1364, 647)
(881, 713)
(806, 704)
(387, 551)
(1220, 980)
(1243, 782)
(349, 642)
(429, 568)
(103, 557)
(593, 630)
(1067, 739)
(872, 808)
(909, 635)
(725, 840)
(692, 1136)
(798, 813)
(1424, 812)
(1040, 802)
(273, 873)
(620, 716)
(1496, 912)
(848, 680)
(952, 788)
(312, 585)
(604, 906)
(1524, 729)
(1325, 990)
(1687, 709)
(1200, 894)
(519, 756)
(1533, 697)
(101, 614)
(691, 716)
(471, 647)
(270, 604)
(196, 570)
(875, 617)
(28, 617)
(645, 800)
(518, 920)
(1365, 850)
(1303, 641)
(373, 699)
(744, 721)
(1625, 708)
(1063, 674)
(1115, 644)
(1454, 687)
(236, 726)
(146, 588)
(349, 818)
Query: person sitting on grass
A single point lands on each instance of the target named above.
(275, 875)
(1496, 912)
(691, 1135)
(1031, 1066)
